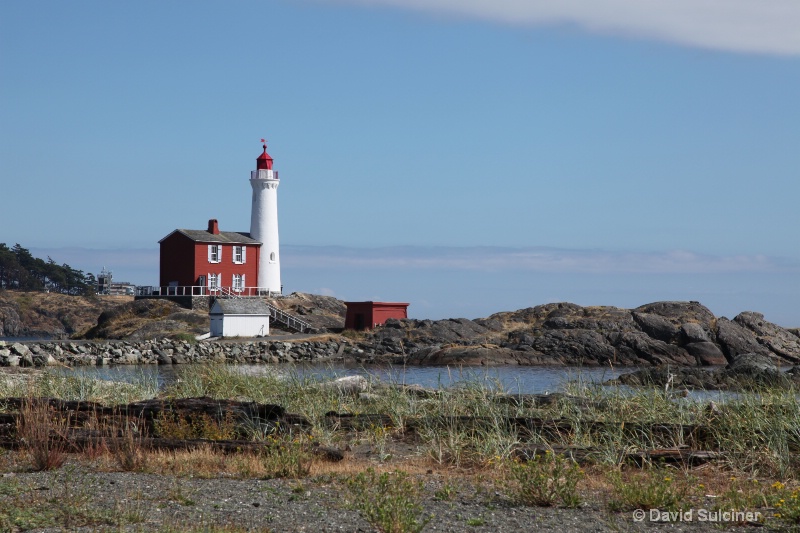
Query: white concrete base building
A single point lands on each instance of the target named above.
(239, 318)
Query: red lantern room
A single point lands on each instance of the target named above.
(264, 161)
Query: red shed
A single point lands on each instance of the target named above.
(210, 259)
(367, 315)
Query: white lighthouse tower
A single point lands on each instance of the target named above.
(264, 222)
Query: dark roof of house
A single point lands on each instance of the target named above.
(236, 306)
(201, 235)
(379, 304)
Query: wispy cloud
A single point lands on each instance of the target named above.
(495, 259)
(140, 266)
(761, 26)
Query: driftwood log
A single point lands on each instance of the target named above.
(88, 424)
(679, 455)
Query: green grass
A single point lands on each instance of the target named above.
(756, 434)
(68, 384)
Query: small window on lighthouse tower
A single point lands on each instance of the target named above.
(272, 256)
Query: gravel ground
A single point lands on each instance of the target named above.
(152, 502)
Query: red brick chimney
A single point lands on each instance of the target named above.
(213, 227)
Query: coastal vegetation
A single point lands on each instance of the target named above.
(20, 270)
(398, 456)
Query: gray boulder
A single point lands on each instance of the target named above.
(680, 312)
(44, 359)
(735, 340)
(657, 326)
(10, 323)
(575, 346)
(347, 385)
(752, 363)
(163, 357)
(636, 347)
(694, 332)
(20, 350)
(706, 353)
(776, 339)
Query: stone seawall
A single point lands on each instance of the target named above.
(166, 351)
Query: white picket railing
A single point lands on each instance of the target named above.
(277, 315)
(204, 290)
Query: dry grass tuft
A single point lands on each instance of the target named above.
(127, 445)
(42, 434)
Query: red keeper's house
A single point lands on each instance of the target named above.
(367, 315)
(208, 261)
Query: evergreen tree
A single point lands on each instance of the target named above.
(20, 270)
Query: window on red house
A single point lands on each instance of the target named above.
(214, 253)
(239, 254)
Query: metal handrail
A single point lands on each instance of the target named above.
(288, 320)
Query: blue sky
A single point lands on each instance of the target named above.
(465, 156)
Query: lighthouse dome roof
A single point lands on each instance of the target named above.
(264, 161)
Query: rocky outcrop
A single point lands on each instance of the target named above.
(674, 333)
(321, 312)
(10, 323)
(50, 315)
(157, 318)
(746, 371)
(146, 319)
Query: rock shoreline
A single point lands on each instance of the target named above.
(167, 352)
(683, 334)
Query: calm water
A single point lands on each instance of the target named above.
(516, 379)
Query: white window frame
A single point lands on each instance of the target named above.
(214, 281)
(239, 255)
(214, 253)
(238, 282)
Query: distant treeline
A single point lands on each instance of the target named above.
(20, 270)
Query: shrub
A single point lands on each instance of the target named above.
(544, 480)
(185, 337)
(202, 427)
(389, 501)
(286, 458)
(650, 489)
